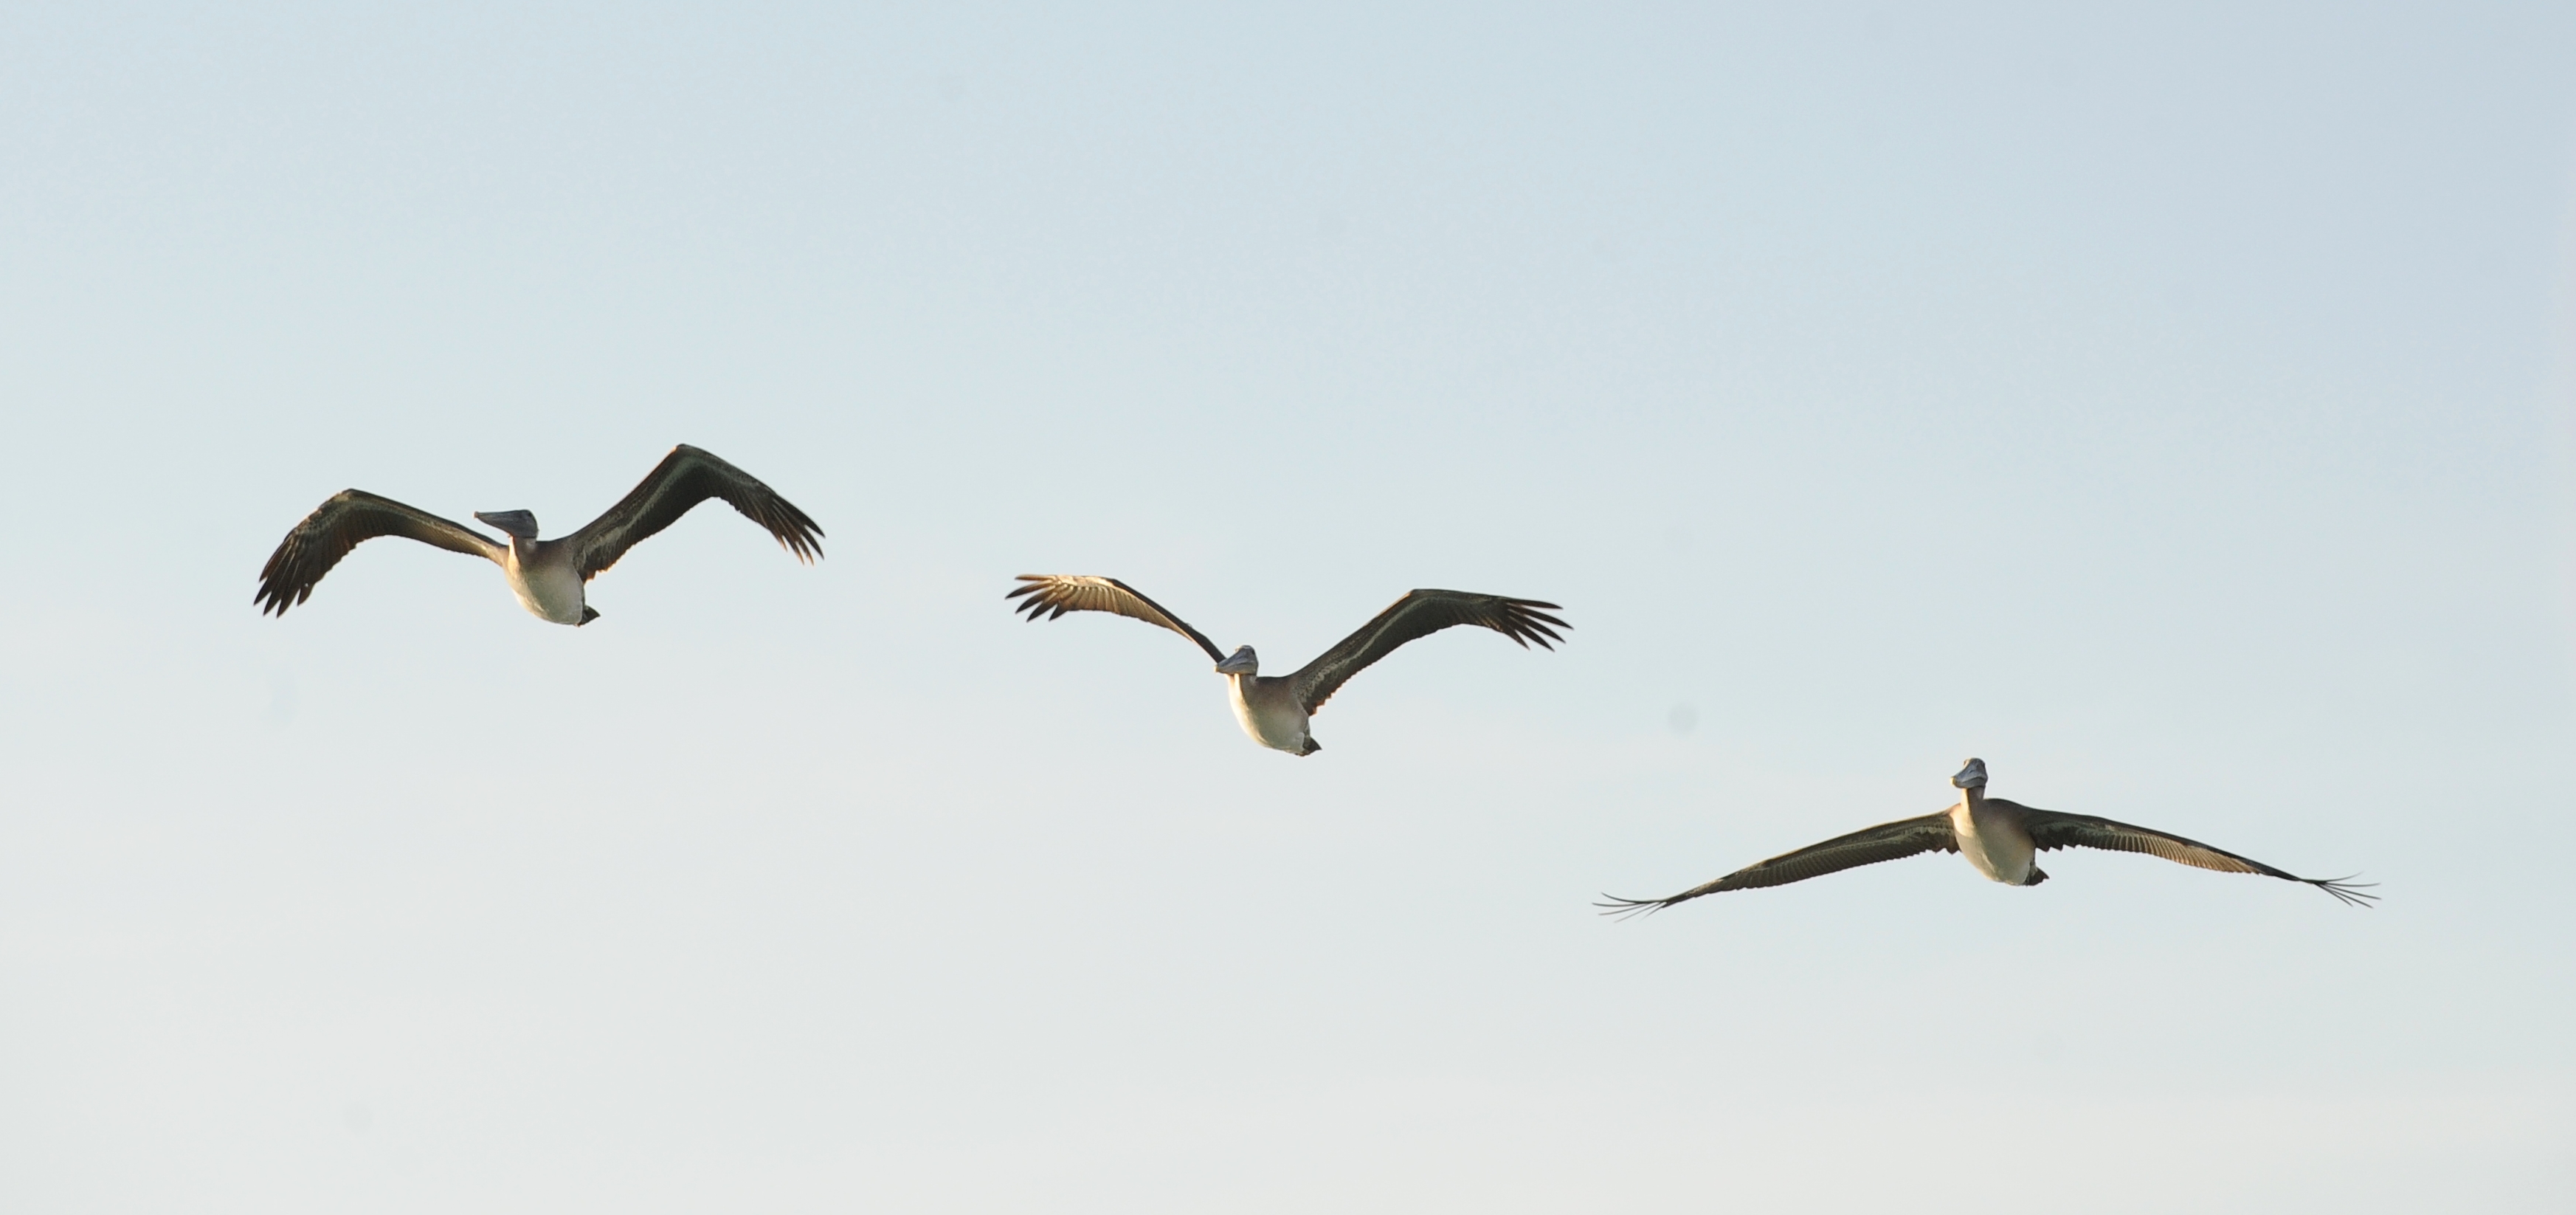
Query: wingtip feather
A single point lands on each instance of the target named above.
(1626, 909)
(2350, 892)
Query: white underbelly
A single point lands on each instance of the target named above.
(550, 592)
(1278, 726)
(2000, 850)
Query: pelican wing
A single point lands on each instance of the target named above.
(683, 479)
(1885, 842)
(346, 520)
(1052, 595)
(2051, 830)
(1420, 614)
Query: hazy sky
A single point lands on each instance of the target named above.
(2171, 405)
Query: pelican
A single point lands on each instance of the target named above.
(1998, 837)
(548, 576)
(1275, 709)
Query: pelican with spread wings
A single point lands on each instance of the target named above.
(550, 577)
(2000, 838)
(1276, 710)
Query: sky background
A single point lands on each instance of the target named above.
(2173, 404)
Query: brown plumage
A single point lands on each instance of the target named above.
(341, 523)
(545, 574)
(1274, 708)
(1419, 614)
(2000, 837)
(2051, 830)
(1868, 846)
(1052, 595)
(683, 479)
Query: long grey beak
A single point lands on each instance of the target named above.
(518, 523)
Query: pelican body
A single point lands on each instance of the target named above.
(1278, 710)
(2000, 839)
(543, 574)
(1267, 707)
(551, 578)
(1995, 840)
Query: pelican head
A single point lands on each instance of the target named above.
(520, 524)
(1241, 662)
(1972, 775)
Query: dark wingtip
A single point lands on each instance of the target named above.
(1536, 624)
(1524, 626)
(273, 600)
(796, 531)
(1624, 909)
(2346, 889)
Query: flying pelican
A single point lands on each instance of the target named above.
(548, 576)
(1275, 709)
(1997, 836)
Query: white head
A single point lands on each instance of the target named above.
(520, 524)
(1241, 662)
(1972, 775)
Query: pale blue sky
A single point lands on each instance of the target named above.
(2169, 405)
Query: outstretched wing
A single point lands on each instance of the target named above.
(1052, 595)
(1884, 842)
(2051, 830)
(683, 479)
(348, 519)
(1420, 614)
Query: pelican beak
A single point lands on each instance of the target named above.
(1240, 662)
(1973, 776)
(518, 523)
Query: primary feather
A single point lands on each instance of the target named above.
(1868, 846)
(1419, 614)
(343, 522)
(683, 479)
(1051, 595)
